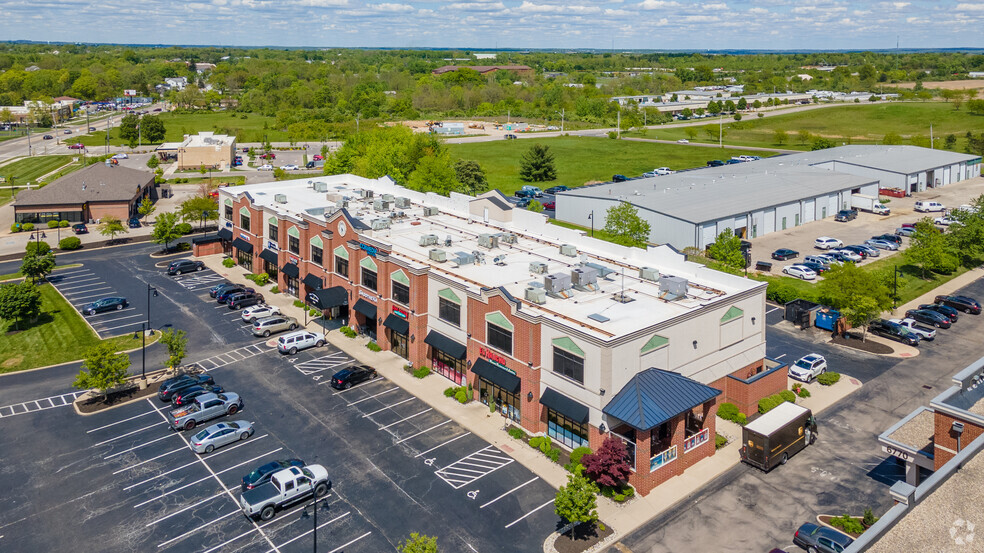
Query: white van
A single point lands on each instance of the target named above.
(926, 207)
(291, 343)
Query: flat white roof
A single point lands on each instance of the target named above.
(204, 139)
(776, 418)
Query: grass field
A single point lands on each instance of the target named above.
(177, 125)
(29, 169)
(59, 336)
(17, 275)
(854, 124)
(581, 160)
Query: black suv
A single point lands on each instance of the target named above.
(845, 215)
(894, 238)
(245, 299)
(173, 385)
(228, 292)
(960, 303)
(715, 163)
(215, 290)
(893, 331)
(184, 266)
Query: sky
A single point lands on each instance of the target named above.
(490, 24)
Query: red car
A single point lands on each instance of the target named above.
(268, 156)
(317, 157)
(77, 146)
(550, 205)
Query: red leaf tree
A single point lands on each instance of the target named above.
(609, 466)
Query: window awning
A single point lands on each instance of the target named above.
(269, 256)
(243, 245)
(564, 405)
(326, 298)
(366, 308)
(290, 270)
(655, 396)
(313, 281)
(225, 234)
(397, 323)
(439, 341)
(496, 375)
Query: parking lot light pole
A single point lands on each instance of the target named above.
(149, 290)
(895, 286)
(315, 516)
(591, 218)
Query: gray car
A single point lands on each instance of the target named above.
(219, 435)
(271, 325)
(820, 539)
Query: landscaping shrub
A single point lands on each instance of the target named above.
(720, 441)
(52, 224)
(347, 331)
(728, 411)
(373, 346)
(70, 243)
(16, 227)
(742, 419)
(848, 524)
(182, 246)
(421, 372)
(37, 248)
(803, 392)
(786, 395)
(869, 518)
(767, 404)
(298, 303)
(516, 432)
(275, 290)
(540, 442)
(449, 391)
(609, 465)
(314, 312)
(27, 226)
(63, 224)
(579, 452)
(828, 378)
(461, 395)
(183, 228)
(553, 454)
(261, 279)
(228, 263)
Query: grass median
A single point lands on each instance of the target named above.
(60, 335)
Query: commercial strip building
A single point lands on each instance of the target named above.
(205, 149)
(690, 208)
(565, 335)
(88, 194)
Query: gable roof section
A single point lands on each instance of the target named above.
(101, 184)
(655, 396)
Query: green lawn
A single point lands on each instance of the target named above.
(580, 160)
(177, 125)
(854, 124)
(59, 336)
(17, 275)
(29, 169)
(600, 234)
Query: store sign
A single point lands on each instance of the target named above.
(495, 358)
(367, 296)
(401, 312)
(271, 245)
(371, 250)
(244, 236)
(228, 224)
(294, 260)
(905, 456)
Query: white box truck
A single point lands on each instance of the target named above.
(870, 204)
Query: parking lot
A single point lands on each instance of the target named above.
(120, 480)
(84, 285)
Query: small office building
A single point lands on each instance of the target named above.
(205, 149)
(88, 194)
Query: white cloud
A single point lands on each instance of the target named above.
(758, 11)
(657, 4)
(715, 6)
(966, 7)
(390, 8)
(477, 6)
(530, 7)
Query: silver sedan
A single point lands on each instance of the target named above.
(882, 244)
(220, 434)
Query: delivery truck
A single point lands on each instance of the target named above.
(776, 436)
(870, 204)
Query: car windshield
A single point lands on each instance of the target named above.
(803, 364)
(201, 435)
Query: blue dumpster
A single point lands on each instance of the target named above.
(827, 318)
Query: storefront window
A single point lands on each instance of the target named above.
(270, 269)
(506, 403)
(401, 293)
(448, 367)
(399, 344)
(566, 431)
(499, 338)
(369, 279)
(660, 438)
(694, 424)
(449, 311)
(568, 364)
(292, 285)
(245, 260)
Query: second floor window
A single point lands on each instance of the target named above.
(341, 266)
(274, 232)
(369, 278)
(316, 254)
(244, 221)
(499, 338)
(449, 311)
(401, 293)
(294, 244)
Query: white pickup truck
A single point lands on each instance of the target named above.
(927, 334)
(285, 487)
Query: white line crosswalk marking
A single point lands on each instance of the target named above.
(469, 469)
(35, 405)
(229, 357)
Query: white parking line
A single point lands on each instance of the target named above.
(33, 405)
(120, 422)
(77, 280)
(124, 469)
(138, 447)
(372, 396)
(377, 379)
(193, 505)
(282, 516)
(72, 294)
(535, 478)
(120, 326)
(61, 274)
(320, 526)
(778, 357)
(344, 545)
(129, 433)
(387, 407)
(207, 524)
(423, 431)
(773, 309)
(73, 298)
(88, 288)
(530, 513)
(113, 312)
(441, 445)
(405, 419)
(477, 465)
(151, 479)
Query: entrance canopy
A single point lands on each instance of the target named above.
(225, 234)
(269, 256)
(313, 281)
(290, 270)
(564, 405)
(655, 396)
(326, 298)
(439, 341)
(366, 308)
(243, 245)
(397, 323)
(497, 375)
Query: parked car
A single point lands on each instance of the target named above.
(318, 157)
(550, 206)
(869, 251)
(121, 155)
(942, 309)
(105, 304)
(800, 271)
(80, 228)
(244, 299)
(537, 193)
(889, 237)
(881, 209)
(827, 243)
(782, 254)
(925, 333)
(173, 385)
(259, 311)
(817, 268)
(204, 408)
(715, 163)
(855, 249)
(133, 222)
(818, 260)
(905, 231)
(273, 324)
(182, 266)
(92, 129)
(927, 207)
(808, 367)
(220, 434)
(184, 396)
(556, 189)
(849, 255)
(523, 202)
(893, 331)
(934, 318)
(265, 167)
(348, 377)
(683, 141)
(286, 487)
(262, 474)
(289, 167)
(882, 244)
(525, 194)
(837, 256)
(214, 290)
(226, 293)
(47, 137)
(845, 215)
(268, 155)
(619, 178)
(294, 342)
(945, 221)
(821, 539)
(961, 303)
(309, 165)
(732, 161)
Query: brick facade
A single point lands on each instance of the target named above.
(747, 385)
(945, 441)
(644, 480)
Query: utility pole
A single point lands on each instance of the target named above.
(618, 126)
(29, 139)
(721, 132)
(932, 143)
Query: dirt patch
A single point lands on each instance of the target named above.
(588, 535)
(869, 346)
(13, 361)
(119, 397)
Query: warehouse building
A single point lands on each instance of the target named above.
(564, 335)
(690, 208)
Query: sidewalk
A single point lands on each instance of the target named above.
(476, 418)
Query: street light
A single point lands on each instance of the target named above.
(314, 510)
(562, 112)
(149, 290)
(895, 292)
(591, 218)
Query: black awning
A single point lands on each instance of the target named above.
(269, 256)
(439, 341)
(243, 245)
(564, 405)
(366, 308)
(496, 375)
(290, 270)
(225, 234)
(326, 298)
(397, 323)
(205, 240)
(313, 281)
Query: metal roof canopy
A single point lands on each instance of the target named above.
(655, 396)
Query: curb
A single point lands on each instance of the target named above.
(97, 246)
(70, 362)
(75, 404)
(548, 544)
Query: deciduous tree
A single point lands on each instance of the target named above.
(128, 127)
(19, 302)
(111, 226)
(537, 164)
(471, 177)
(535, 206)
(609, 466)
(930, 249)
(433, 173)
(166, 229)
(418, 543)
(193, 208)
(146, 208)
(780, 136)
(577, 502)
(176, 342)
(37, 266)
(727, 249)
(152, 129)
(623, 223)
(843, 284)
(102, 369)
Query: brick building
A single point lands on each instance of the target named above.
(88, 194)
(205, 149)
(567, 336)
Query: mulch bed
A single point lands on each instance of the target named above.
(95, 404)
(855, 342)
(587, 536)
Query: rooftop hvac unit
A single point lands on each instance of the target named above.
(380, 224)
(536, 295)
(672, 288)
(585, 278)
(568, 250)
(321, 187)
(333, 196)
(538, 267)
(507, 237)
(489, 241)
(310, 184)
(438, 255)
(428, 240)
(649, 273)
(280, 198)
(464, 258)
(403, 203)
(431, 210)
(365, 193)
(380, 205)
(343, 203)
(499, 259)
(557, 283)
(447, 241)
(388, 197)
